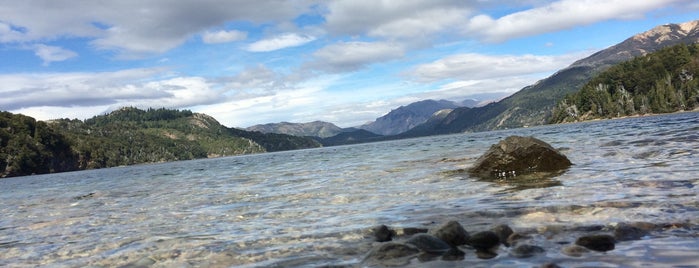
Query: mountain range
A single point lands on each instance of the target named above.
(407, 117)
(395, 122)
(313, 129)
(533, 105)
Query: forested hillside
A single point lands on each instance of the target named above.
(125, 137)
(28, 146)
(661, 82)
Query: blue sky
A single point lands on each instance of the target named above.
(263, 61)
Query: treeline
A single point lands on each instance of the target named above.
(125, 137)
(661, 82)
(28, 146)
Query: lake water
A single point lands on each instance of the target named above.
(315, 207)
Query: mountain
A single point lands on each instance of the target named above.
(406, 117)
(125, 137)
(659, 82)
(470, 103)
(352, 137)
(312, 129)
(533, 105)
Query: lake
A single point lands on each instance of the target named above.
(316, 207)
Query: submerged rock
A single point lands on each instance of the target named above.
(504, 232)
(451, 232)
(454, 254)
(391, 254)
(516, 156)
(428, 243)
(526, 251)
(383, 234)
(575, 250)
(597, 242)
(484, 241)
(625, 232)
(412, 230)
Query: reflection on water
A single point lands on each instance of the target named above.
(314, 207)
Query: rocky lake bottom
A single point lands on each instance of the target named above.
(633, 183)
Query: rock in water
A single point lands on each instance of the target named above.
(504, 232)
(383, 234)
(517, 155)
(484, 241)
(526, 251)
(428, 243)
(597, 242)
(451, 232)
(391, 254)
(624, 232)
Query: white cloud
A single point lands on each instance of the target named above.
(223, 36)
(471, 66)
(134, 87)
(280, 42)
(134, 28)
(352, 56)
(559, 15)
(52, 53)
(396, 19)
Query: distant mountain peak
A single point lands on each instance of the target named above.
(643, 43)
(404, 118)
(315, 128)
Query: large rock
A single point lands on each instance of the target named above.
(451, 232)
(516, 156)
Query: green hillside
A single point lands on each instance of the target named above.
(127, 136)
(661, 82)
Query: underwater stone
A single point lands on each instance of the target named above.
(624, 232)
(383, 234)
(516, 155)
(392, 254)
(451, 232)
(484, 241)
(503, 231)
(428, 243)
(597, 242)
(526, 251)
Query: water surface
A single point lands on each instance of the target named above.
(315, 207)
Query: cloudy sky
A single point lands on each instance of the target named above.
(250, 62)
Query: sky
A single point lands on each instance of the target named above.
(266, 61)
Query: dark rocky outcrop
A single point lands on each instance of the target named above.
(515, 156)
